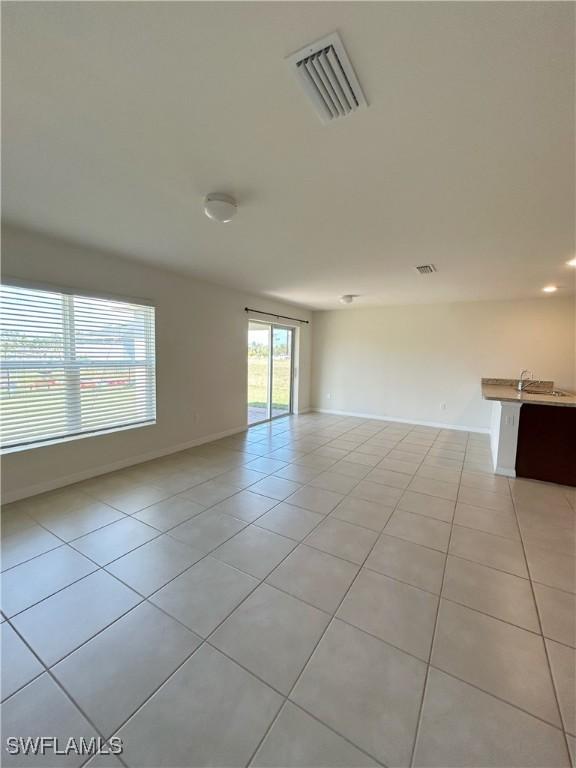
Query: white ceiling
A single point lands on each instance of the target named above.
(119, 117)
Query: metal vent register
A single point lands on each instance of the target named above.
(326, 75)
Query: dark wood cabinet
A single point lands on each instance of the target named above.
(547, 444)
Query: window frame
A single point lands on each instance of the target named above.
(66, 364)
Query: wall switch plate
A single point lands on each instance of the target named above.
(328, 396)
(443, 406)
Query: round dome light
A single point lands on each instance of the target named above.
(348, 298)
(219, 207)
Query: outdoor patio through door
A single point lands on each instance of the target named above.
(270, 371)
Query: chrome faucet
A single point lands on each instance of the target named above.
(522, 382)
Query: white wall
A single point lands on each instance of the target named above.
(405, 362)
(201, 348)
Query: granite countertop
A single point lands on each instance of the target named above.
(504, 390)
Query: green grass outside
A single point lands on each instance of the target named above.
(123, 396)
(258, 383)
(101, 406)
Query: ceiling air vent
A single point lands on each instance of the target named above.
(426, 269)
(325, 72)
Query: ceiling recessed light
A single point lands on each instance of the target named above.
(219, 207)
(550, 289)
(571, 263)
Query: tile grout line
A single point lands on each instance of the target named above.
(154, 538)
(546, 654)
(324, 518)
(432, 640)
(143, 599)
(498, 698)
(131, 551)
(204, 640)
(76, 538)
(364, 631)
(331, 728)
(47, 670)
(82, 644)
(329, 624)
(166, 532)
(125, 514)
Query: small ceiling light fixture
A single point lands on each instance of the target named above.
(550, 289)
(571, 263)
(219, 207)
(348, 298)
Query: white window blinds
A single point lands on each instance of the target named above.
(72, 365)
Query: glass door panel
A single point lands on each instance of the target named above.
(259, 371)
(281, 371)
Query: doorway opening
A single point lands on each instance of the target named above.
(270, 371)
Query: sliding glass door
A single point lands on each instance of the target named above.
(270, 371)
(259, 338)
(281, 370)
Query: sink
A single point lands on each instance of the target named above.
(553, 392)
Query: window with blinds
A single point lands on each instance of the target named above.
(73, 365)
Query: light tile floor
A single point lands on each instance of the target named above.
(319, 591)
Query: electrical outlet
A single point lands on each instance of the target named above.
(443, 406)
(328, 396)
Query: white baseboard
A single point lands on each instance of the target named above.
(51, 485)
(103, 469)
(437, 424)
(505, 471)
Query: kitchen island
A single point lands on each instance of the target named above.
(533, 432)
